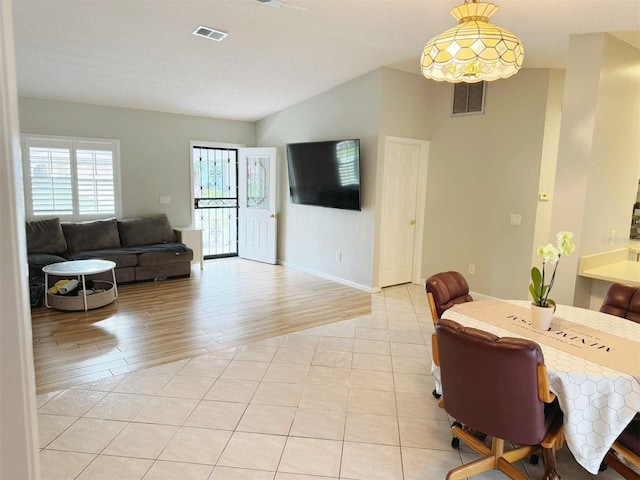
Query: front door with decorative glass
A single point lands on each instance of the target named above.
(235, 201)
(215, 199)
(257, 193)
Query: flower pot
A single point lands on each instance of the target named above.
(541, 317)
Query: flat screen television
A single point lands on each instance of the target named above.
(326, 174)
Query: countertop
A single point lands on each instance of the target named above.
(611, 267)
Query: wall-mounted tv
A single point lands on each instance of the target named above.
(325, 174)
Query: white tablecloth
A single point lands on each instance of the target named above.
(597, 402)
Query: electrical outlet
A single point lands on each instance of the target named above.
(471, 269)
(338, 256)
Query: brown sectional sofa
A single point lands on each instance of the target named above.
(143, 248)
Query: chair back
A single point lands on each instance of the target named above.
(622, 301)
(630, 437)
(490, 383)
(448, 289)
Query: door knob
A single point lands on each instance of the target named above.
(412, 222)
(273, 216)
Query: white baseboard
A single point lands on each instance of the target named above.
(342, 281)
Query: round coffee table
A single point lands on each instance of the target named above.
(81, 268)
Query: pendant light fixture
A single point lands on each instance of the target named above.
(474, 50)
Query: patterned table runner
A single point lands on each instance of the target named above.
(594, 345)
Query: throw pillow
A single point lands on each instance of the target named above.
(94, 235)
(147, 230)
(45, 236)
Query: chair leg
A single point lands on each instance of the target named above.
(510, 471)
(473, 468)
(455, 441)
(624, 471)
(549, 463)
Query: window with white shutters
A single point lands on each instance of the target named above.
(71, 178)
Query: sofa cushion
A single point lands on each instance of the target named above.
(39, 260)
(45, 236)
(160, 272)
(43, 259)
(119, 256)
(146, 230)
(94, 235)
(171, 253)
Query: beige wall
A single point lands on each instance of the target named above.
(542, 234)
(404, 112)
(154, 147)
(482, 168)
(380, 103)
(19, 458)
(309, 236)
(598, 154)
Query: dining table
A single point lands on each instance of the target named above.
(593, 364)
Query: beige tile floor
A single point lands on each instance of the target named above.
(350, 400)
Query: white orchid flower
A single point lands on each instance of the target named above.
(539, 288)
(549, 253)
(564, 244)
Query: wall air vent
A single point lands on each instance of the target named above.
(210, 33)
(468, 98)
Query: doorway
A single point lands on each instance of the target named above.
(215, 199)
(258, 215)
(234, 200)
(404, 188)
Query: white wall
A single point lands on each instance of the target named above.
(154, 147)
(598, 153)
(482, 168)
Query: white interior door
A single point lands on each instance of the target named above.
(257, 207)
(399, 204)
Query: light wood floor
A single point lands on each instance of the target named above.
(231, 302)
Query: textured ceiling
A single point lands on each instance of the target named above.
(141, 54)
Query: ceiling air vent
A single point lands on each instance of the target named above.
(468, 98)
(210, 33)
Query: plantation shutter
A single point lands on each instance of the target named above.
(51, 177)
(71, 178)
(96, 188)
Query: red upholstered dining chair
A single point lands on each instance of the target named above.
(445, 290)
(628, 447)
(498, 386)
(622, 301)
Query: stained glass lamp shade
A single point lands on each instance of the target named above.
(474, 50)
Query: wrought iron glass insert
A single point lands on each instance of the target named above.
(258, 182)
(215, 181)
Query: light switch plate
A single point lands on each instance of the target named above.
(516, 219)
(165, 200)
